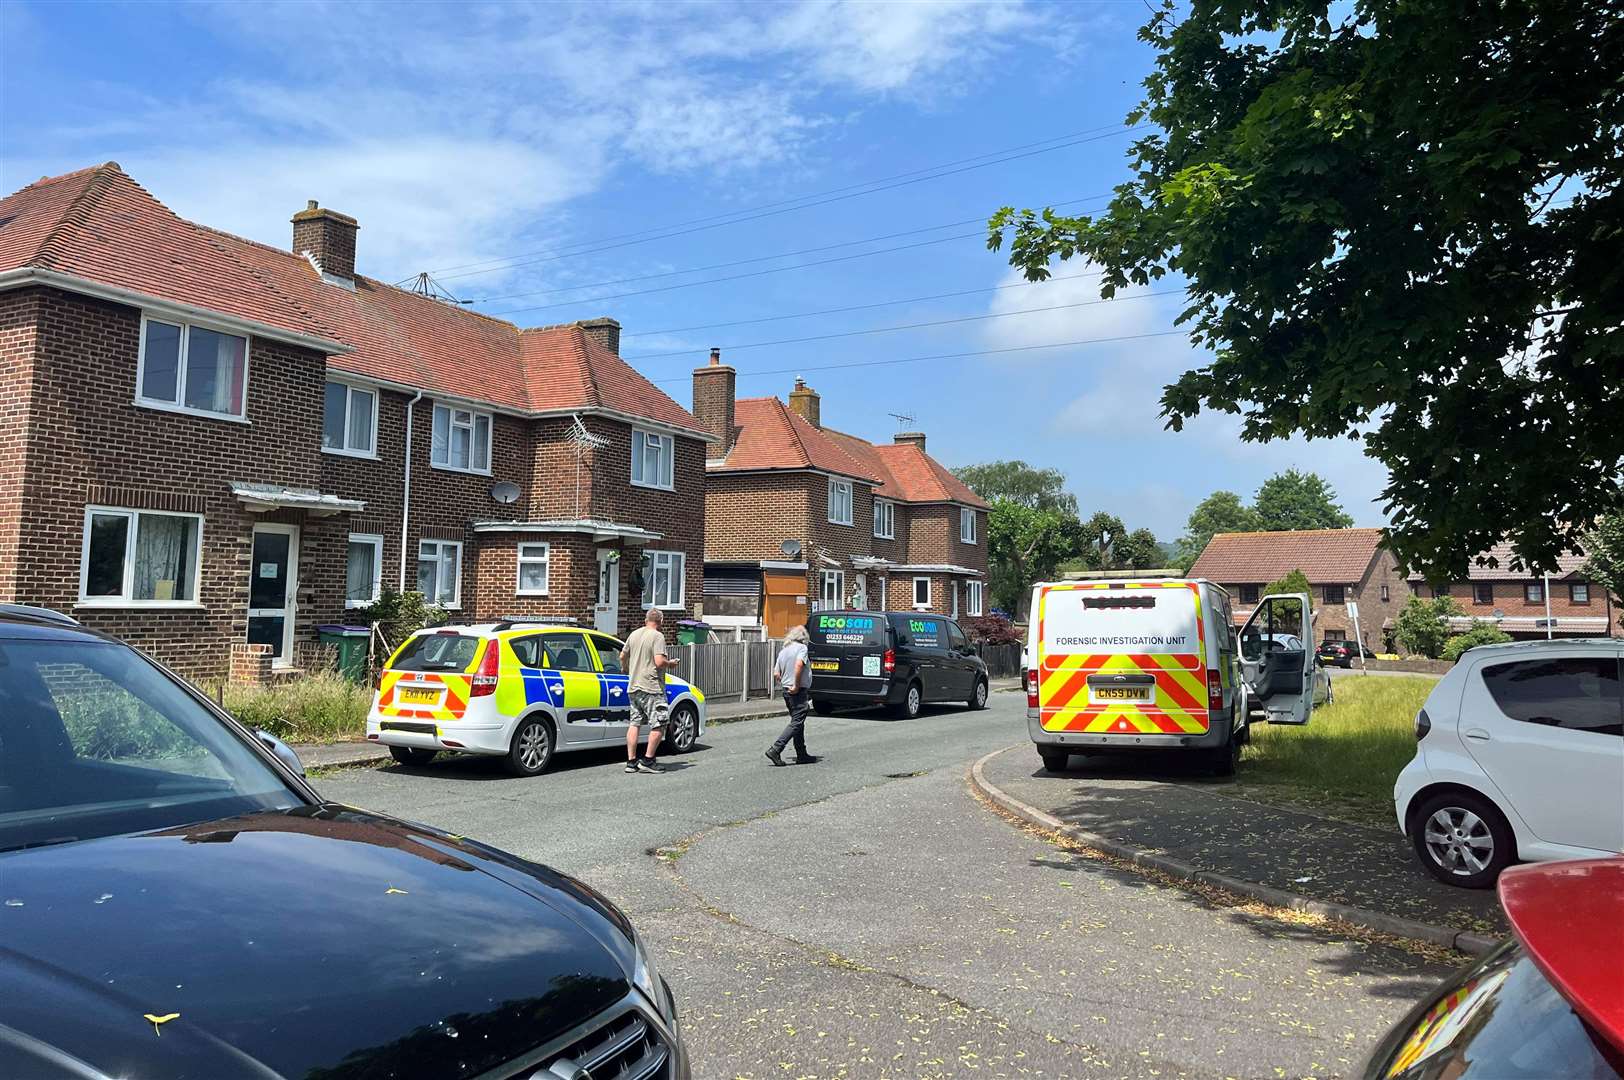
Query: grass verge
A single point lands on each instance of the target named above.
(320, 707)
(1344, 760)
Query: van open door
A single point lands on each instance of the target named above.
(1277, 661)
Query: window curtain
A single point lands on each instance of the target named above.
(214, 371)
(360, 573)
(163, 555)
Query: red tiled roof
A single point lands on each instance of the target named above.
(923, 479)
(1566, 566)
(772, 436)
(99, 224)
(1325, 556)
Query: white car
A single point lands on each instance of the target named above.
(1519, 756)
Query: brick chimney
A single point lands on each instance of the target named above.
(910, 438)
(328, 237)
(804, 400)
(714, 386)
(604, 331)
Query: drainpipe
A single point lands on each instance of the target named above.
(406, 488)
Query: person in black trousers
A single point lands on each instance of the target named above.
(794, 675)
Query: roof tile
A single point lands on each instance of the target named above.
(1325, 556)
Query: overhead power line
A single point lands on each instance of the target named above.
(760, 258)
(947, 356)
(805, 202)
(907, 326)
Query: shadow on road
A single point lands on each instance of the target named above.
(483, 767)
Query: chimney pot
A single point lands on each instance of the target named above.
(310, 204)
(716, 355)
(714, 386)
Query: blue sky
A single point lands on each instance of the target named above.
(524, 153)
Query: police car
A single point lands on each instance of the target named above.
(524, 691)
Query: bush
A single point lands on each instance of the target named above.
(1481, 633)
(1422, 626)
(398, 615)
(992, 630)
(317, 707)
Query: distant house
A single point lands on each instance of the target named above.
(1519, 602)
(801, 517)
(1340, 564)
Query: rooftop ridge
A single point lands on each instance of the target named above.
(1302, 532)
(47, 181)
(77, 209)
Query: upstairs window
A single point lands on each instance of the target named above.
(967, 525)
(191, 369)
(1440, 590)
(1334, 594)
(653, 459)
(1579, 592)
(1534, 592)
(840, 502)
(1248, 594)
(1483, 592)
(349, 422)
(885, 519)
(462, 439)
(1386, 594)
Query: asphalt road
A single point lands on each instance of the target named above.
(866, 917)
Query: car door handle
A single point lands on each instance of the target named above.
(1477, 734)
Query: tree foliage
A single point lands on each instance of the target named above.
(1294, 582)
(1040, 489)
(1605, 545)
(1220, 512)
(1481, 633)
(1399, 221)
(1024, 545)
(1298, 500)
(1422, 626)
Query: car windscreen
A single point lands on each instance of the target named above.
(846, 629)
(95, 741)
(438, 650)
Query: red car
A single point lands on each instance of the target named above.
(1547, 1004)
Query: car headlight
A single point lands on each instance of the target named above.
(644, 977)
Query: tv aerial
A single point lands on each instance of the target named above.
(904, 421)
(583, 442)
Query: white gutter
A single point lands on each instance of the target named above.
(406, 489)
(155, 305)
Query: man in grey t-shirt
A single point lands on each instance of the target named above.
(644, 660)
(793, 673)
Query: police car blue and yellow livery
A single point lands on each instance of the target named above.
(521, 690)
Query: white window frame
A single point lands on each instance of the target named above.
(376, 543)
(973, 598)
(127, 586)
(916, 604)
(642, 438)
(186, 325)
(346, 450)
(885, 519)
(838, 578)
(885, 588)
(456, 594)
(953, 613)
(452, 425)
(545, 559)
(842, 488)
(677, 563)
(967, 525)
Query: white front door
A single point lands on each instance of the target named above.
(273, 585)
(606, 610)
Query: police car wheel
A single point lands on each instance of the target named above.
(411, 755)
(532, 748)
(683, 730)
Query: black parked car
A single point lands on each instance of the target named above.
(175, 901)
(899, 659)
(1342, 653)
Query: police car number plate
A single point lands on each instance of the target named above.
(415, 696)
(826, 665)
(1120, 693)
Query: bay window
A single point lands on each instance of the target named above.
(439, 572)
(191, 369)
(461, 439)
(653, 459)
(350, 421)
(139, 557)
(533, 560)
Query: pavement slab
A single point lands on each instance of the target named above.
(1170, 809)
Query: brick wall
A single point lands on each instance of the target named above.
(933, 537)
(19, 318)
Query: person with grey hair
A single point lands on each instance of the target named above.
(794, 675)
(644, 660)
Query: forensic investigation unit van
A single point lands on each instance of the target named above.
(1152, 664)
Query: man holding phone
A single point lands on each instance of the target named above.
(644, 660)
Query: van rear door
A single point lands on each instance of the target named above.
(1122, 658)
(1279, 677)
(847, 652)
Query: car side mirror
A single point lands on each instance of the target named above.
(284, 753)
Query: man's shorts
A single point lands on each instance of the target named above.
(650, 710)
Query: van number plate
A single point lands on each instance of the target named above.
(826, 665)
(1121, 693)
(415, 696)
(871, 666)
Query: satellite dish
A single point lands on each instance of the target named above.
(1498, 614)
(790, 548)
(505, 491)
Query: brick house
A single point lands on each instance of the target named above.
(1340, 564)
(800, 517)
(210, 446)
(1519, 602)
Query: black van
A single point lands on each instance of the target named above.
(895, 658)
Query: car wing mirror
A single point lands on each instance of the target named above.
(284, 753)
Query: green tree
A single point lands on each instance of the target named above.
(1220, 512)
(1100, 534)
(1298, 500)
(1040, 489)
(1605, 545)
(1026, 545)
(1139, 550)
(1481, 633)
(1399, 221)
(1422, 626)
(1294, 582)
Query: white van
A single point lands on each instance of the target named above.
(1155, 664)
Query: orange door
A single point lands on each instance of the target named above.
(783, 600)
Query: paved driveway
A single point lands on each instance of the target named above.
(866, 917)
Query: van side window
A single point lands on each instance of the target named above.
(1578, 693)
(955, 637)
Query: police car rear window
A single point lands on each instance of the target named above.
(437, 652)
(847, 630)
